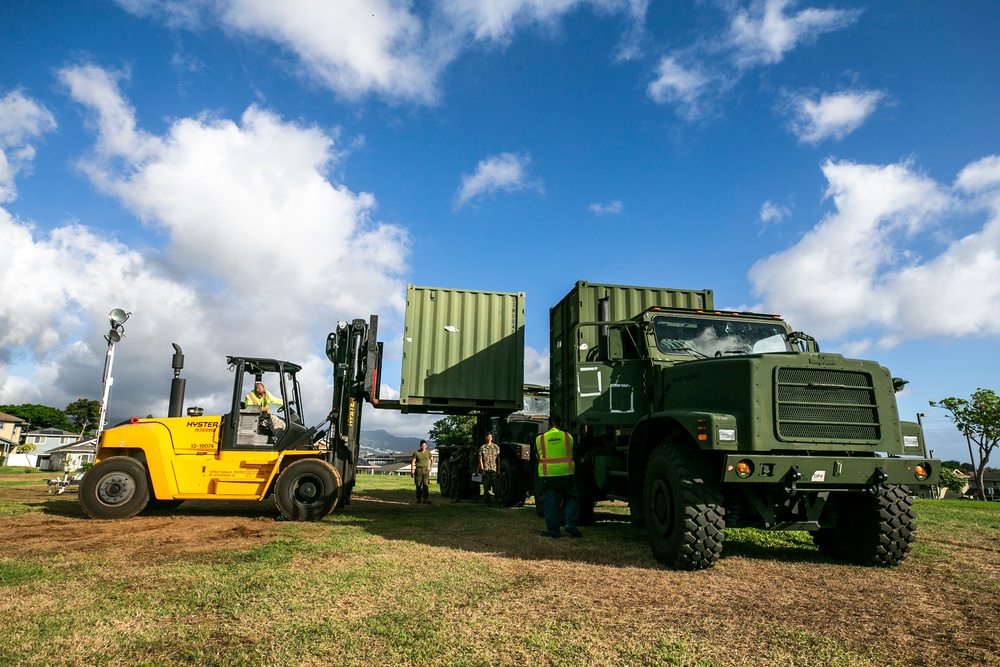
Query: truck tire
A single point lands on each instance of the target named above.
(870, 530)
(512, 487)
(115, 488)
(307, 490)
(444, 478)
(682, 503)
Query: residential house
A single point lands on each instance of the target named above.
(69, 458)
(10, 433)
(44, 440)
(991, 479)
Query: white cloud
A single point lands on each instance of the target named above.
(694, 79)
(22, 120)
(833, 115)
(385, 47)
(676, 84)
(613, 207)
(507, 172)
(263, 254)
(763, 33)
(863, 267)
(773, 214)
(536, 366)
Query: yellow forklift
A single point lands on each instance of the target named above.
(245, 454)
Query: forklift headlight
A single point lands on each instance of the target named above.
(727, 435)
(911, 441)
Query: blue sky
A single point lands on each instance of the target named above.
(241, 174)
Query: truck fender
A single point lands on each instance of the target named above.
(700, 428)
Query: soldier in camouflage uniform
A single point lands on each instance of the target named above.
(489, 454)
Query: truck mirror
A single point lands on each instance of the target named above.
(616, 350)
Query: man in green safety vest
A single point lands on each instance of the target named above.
(556, 478)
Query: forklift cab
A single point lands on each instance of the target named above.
(247, 426)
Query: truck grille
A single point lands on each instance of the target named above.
(814, 404)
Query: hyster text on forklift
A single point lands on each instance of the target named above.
(244, 454)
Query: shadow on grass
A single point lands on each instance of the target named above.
(514, 532)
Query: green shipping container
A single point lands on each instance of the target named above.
(571, 344)
(462, 350)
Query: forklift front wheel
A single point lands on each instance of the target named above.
(115, 488)
(307, 490)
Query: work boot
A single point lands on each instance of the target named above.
(573, 532)
(546, 533)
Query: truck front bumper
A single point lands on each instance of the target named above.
(828, 473)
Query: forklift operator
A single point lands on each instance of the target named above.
(262, 397)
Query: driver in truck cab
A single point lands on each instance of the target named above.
(262, 397)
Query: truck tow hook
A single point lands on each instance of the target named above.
(792, 477)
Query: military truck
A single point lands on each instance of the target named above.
(702, 419)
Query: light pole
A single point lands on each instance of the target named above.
(117, 317)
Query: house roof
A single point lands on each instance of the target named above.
(53, 431)
(4, 417)
(88, 445)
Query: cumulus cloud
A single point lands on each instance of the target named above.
(613, 207)
(263, 254)
(22, 121)
(773, 214)
(695, 78)
(882, 261)
(764, 32)
(385, 47)
(507, 172)
(679, 85)
(833, 115)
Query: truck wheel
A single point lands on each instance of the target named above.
(444, 478)
(115, 488)
(307, 490)
(512, 487)
(870, 530)
(682, 503)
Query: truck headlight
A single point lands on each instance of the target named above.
(727, 435)
(911, 441)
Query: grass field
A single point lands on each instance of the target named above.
(387, 582)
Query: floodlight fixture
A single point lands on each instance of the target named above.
(118, 317)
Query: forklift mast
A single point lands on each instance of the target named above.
(356, 356)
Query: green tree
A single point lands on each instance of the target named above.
(39, 416)
(452, 430)
(978, 419)
(951, 481)
(85, 413)
(26, 448)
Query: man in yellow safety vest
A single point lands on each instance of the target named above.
(262, 397)
(556, 478)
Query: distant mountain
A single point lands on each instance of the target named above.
(387, 441)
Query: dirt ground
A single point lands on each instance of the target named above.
(940, 608)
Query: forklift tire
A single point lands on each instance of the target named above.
(115, 488)
(307, 490)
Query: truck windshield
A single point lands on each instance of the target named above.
(716, 338)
